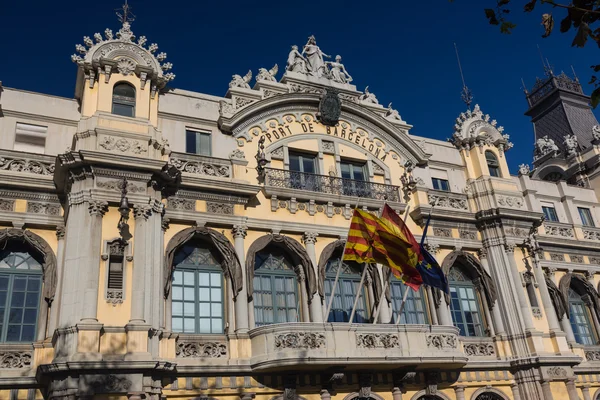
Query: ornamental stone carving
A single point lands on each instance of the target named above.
(239, 231)
(442, 341)
(219, 208)
(524, 169)
(123, 145)
(125, 66)
(310, 237)
(442, 232)
(97, 207)
(117, 185)
(202, 168)
(545, 146)
(479, 349)
(448, 202)
(200, 350)
(392, 114)
(519, 232)
(237, 154)
(473, 128)
(328, 147)
(110, 383)
(15, 359)
(592, 355)
(571, 145)
(114, 296)
(300, 340)
(7, 205)
(596, 133)
(591, 235)
(181, 204)
(267, 75)
(368, 97)
(552, 230)
(26, 165)
(237, 81)
(142, 211)
(576, 259)
(43, 208)
(377, 340)
(510, 201)
(557, 372)
(467, 235)
(557, 257)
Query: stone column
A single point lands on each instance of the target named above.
(515, 391)
(316, 311)
(325, 395)
(444, 314)
(545, 294)
(486, 307)
(397, 393)
(431, 302)
(496, 317)
(459, 391)
(522, 297)
(548, 392)
(588, 302)
(385, 315)
(241, 301)
(60, 261)
(571, 390)
(165, 312)
(304, 308)
(585, 390)
(91, 265)
(140, 214)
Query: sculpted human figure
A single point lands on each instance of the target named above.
(571, 144)
(296, 61)
(338, 71)
(596, 132)
(368, 97)
(546, 145)
(314, 57)
(392, 114)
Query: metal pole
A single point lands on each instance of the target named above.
(387, 281)
(358, 293)
(399, 317)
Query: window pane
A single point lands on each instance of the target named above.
(177, 308)
(295, 163)
(124, 110)
(204, 309)
(217, 325)
(204, 146)
(190, 142)
(586, 216)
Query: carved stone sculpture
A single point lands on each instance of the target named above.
(377, 340)
(596, 132)
(200, 350)
(546, 145)
(524, 169)
(338, 72)
(314, 58)
(392, 114)
(267, 75)
(238, 82)
(300, 340)
(571, 145)
(368, 97)
(296, 61)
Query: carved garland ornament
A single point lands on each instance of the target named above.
(43, 208)
(15, 359)
(559, 231)
(200, 350)
(592, 355)
(448, 202)
(557, 372)
(300, 340)
(377, 340)
(202, 168)
(123, 145)
(479, 349)
(25, 165)
(509, 201)
(442, 341)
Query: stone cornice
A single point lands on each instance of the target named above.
(19, 219)
(40, 117)
(186, 118)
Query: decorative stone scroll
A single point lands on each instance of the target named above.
(510, 201)
(219, 208)
(123, 145)
(300, 340)
(7, 205)
(15, 359)
(591, 234)
(592, 355)
(442, 341)
(557, 372)
(518, 232)
(43, 208)
(117, 185)
(377, 340)
(181, 204)
(552, 230)
(26, 165)
(448, 202)
(467, 235)
(479, 349)
(200, 350)
(442, 232)
(202, 168)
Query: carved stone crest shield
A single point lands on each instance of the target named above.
(330, 108)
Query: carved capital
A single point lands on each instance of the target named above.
(310, 237)
(97, 208)
(365, 381)
(60, 232)
(432, 248)
(165, 224)
(239, 231)
(431, 380)
(589, 275)
(550, 272)
(142, 211)
(482, 253)
(509, 247)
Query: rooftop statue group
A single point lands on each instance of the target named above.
(310, 62)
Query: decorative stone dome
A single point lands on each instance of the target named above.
(473, 128)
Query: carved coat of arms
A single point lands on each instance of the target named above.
(330, 108)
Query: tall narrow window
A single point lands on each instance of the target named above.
(303, 166)
(345, 292)
(20, 288)
(550, 213)
(123, 100)
(197, 299)
(354, 175)
(492, 163)
(464, 304)
(413, 311)
(586, 216)
(275, 289)
(580, 319)
(440, 184)
(198, 143)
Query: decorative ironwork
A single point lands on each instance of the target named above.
(330, 185)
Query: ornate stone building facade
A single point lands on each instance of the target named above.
(162, 243)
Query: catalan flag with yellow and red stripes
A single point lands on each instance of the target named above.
(377, 240)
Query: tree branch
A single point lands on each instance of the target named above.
(553, 4)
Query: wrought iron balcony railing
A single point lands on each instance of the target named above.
(331, 185)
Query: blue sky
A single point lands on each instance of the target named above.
(403, 50)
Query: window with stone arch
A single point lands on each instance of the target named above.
(465, 304)
(197, 303)
(581, 319)
(276, 298)
(123, 99)
(489, 396)
(345, 291)
(492, 162)
(21, 278)
(414, 310)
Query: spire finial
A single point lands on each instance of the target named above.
(523, 86)
(574, 74)
(545, 63)
(466, 95)
(125, 16)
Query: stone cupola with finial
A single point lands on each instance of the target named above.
(106, 60)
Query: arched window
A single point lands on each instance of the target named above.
(345, 292)
(276, 297)
(464, 304)
(123, 100)
(20, 288)
(579, 315)
(197, 301)
(492, 163)
(414, 311)
(489, 396)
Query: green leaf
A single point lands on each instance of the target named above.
(595, 97)
(491, 16)
(507, 27)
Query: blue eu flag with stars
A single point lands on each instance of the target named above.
(428, 267)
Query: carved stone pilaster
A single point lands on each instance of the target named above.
(97, 207)
(482, 253)
(289, 391)
(365, 382)
(239, 231)
(431, 381)
(165, 224)
(142, 211)
(60, 232)
(310, 237)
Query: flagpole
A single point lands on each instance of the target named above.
(399, 316)
(337, 275)
(358, 293)
(387, 281)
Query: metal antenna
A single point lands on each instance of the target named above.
(466, 94)
(574, 74)
(524, 87)
(126, 15)
(545, 64)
